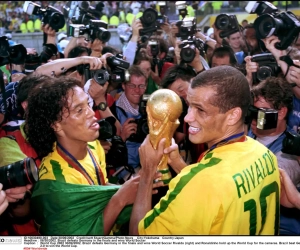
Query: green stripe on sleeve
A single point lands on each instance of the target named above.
(57, 171)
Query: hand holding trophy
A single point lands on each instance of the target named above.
(163, 110)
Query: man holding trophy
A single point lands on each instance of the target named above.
(233, 189)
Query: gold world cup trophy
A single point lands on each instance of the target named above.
(163, 110)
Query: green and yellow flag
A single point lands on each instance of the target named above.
(72, 209)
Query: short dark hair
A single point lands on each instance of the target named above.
(142, 56)
(276, 91)
(45, 106)
(176, 72)
(231, 86)
(221, 52)
(78, 51)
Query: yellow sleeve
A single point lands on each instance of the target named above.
(10, 152)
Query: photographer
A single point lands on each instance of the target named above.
(198, 63)
(223, 56)
(144, 62)
(178, 78)
(252, 67)
(276, 93)
(235, 42)
(127, 110)
(291, 72)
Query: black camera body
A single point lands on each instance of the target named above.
(117, 155)
(118, 68)
(15, 54)
(50, 15)
(284, 25)
(101, 76)
(228, 24)
(267, 66)
(154, 48)
(142, 123)
(266, 118)
(186, 28)
(82, 12)
(95, 29)
(149, 20)
(291, 143)
(188, 49)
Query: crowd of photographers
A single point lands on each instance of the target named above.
(114, 87)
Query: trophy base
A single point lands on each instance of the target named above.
(166, 176)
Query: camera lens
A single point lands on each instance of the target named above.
(149, 17)
(264, 72)
(19, 174)
(187, 54)
(57, 21)
(103, 35)
(266, 26)
(101, 76)
(222, 22)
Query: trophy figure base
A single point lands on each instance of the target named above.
(166, 176)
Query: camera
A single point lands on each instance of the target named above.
(291, 143)
(117, 155)
(118, 68)
(154, 48)
(228, 24)
(181, 7)
(267, 66)
(266, 118)
(260, 8)
(32, 62)
(82, 12)
(186, 28)
(50, 15)
(149, 21)
(15, 54)
(188, 49)
(142, 123)
(95, 29)
(19, 174)
(284, 25)
(101, 76)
